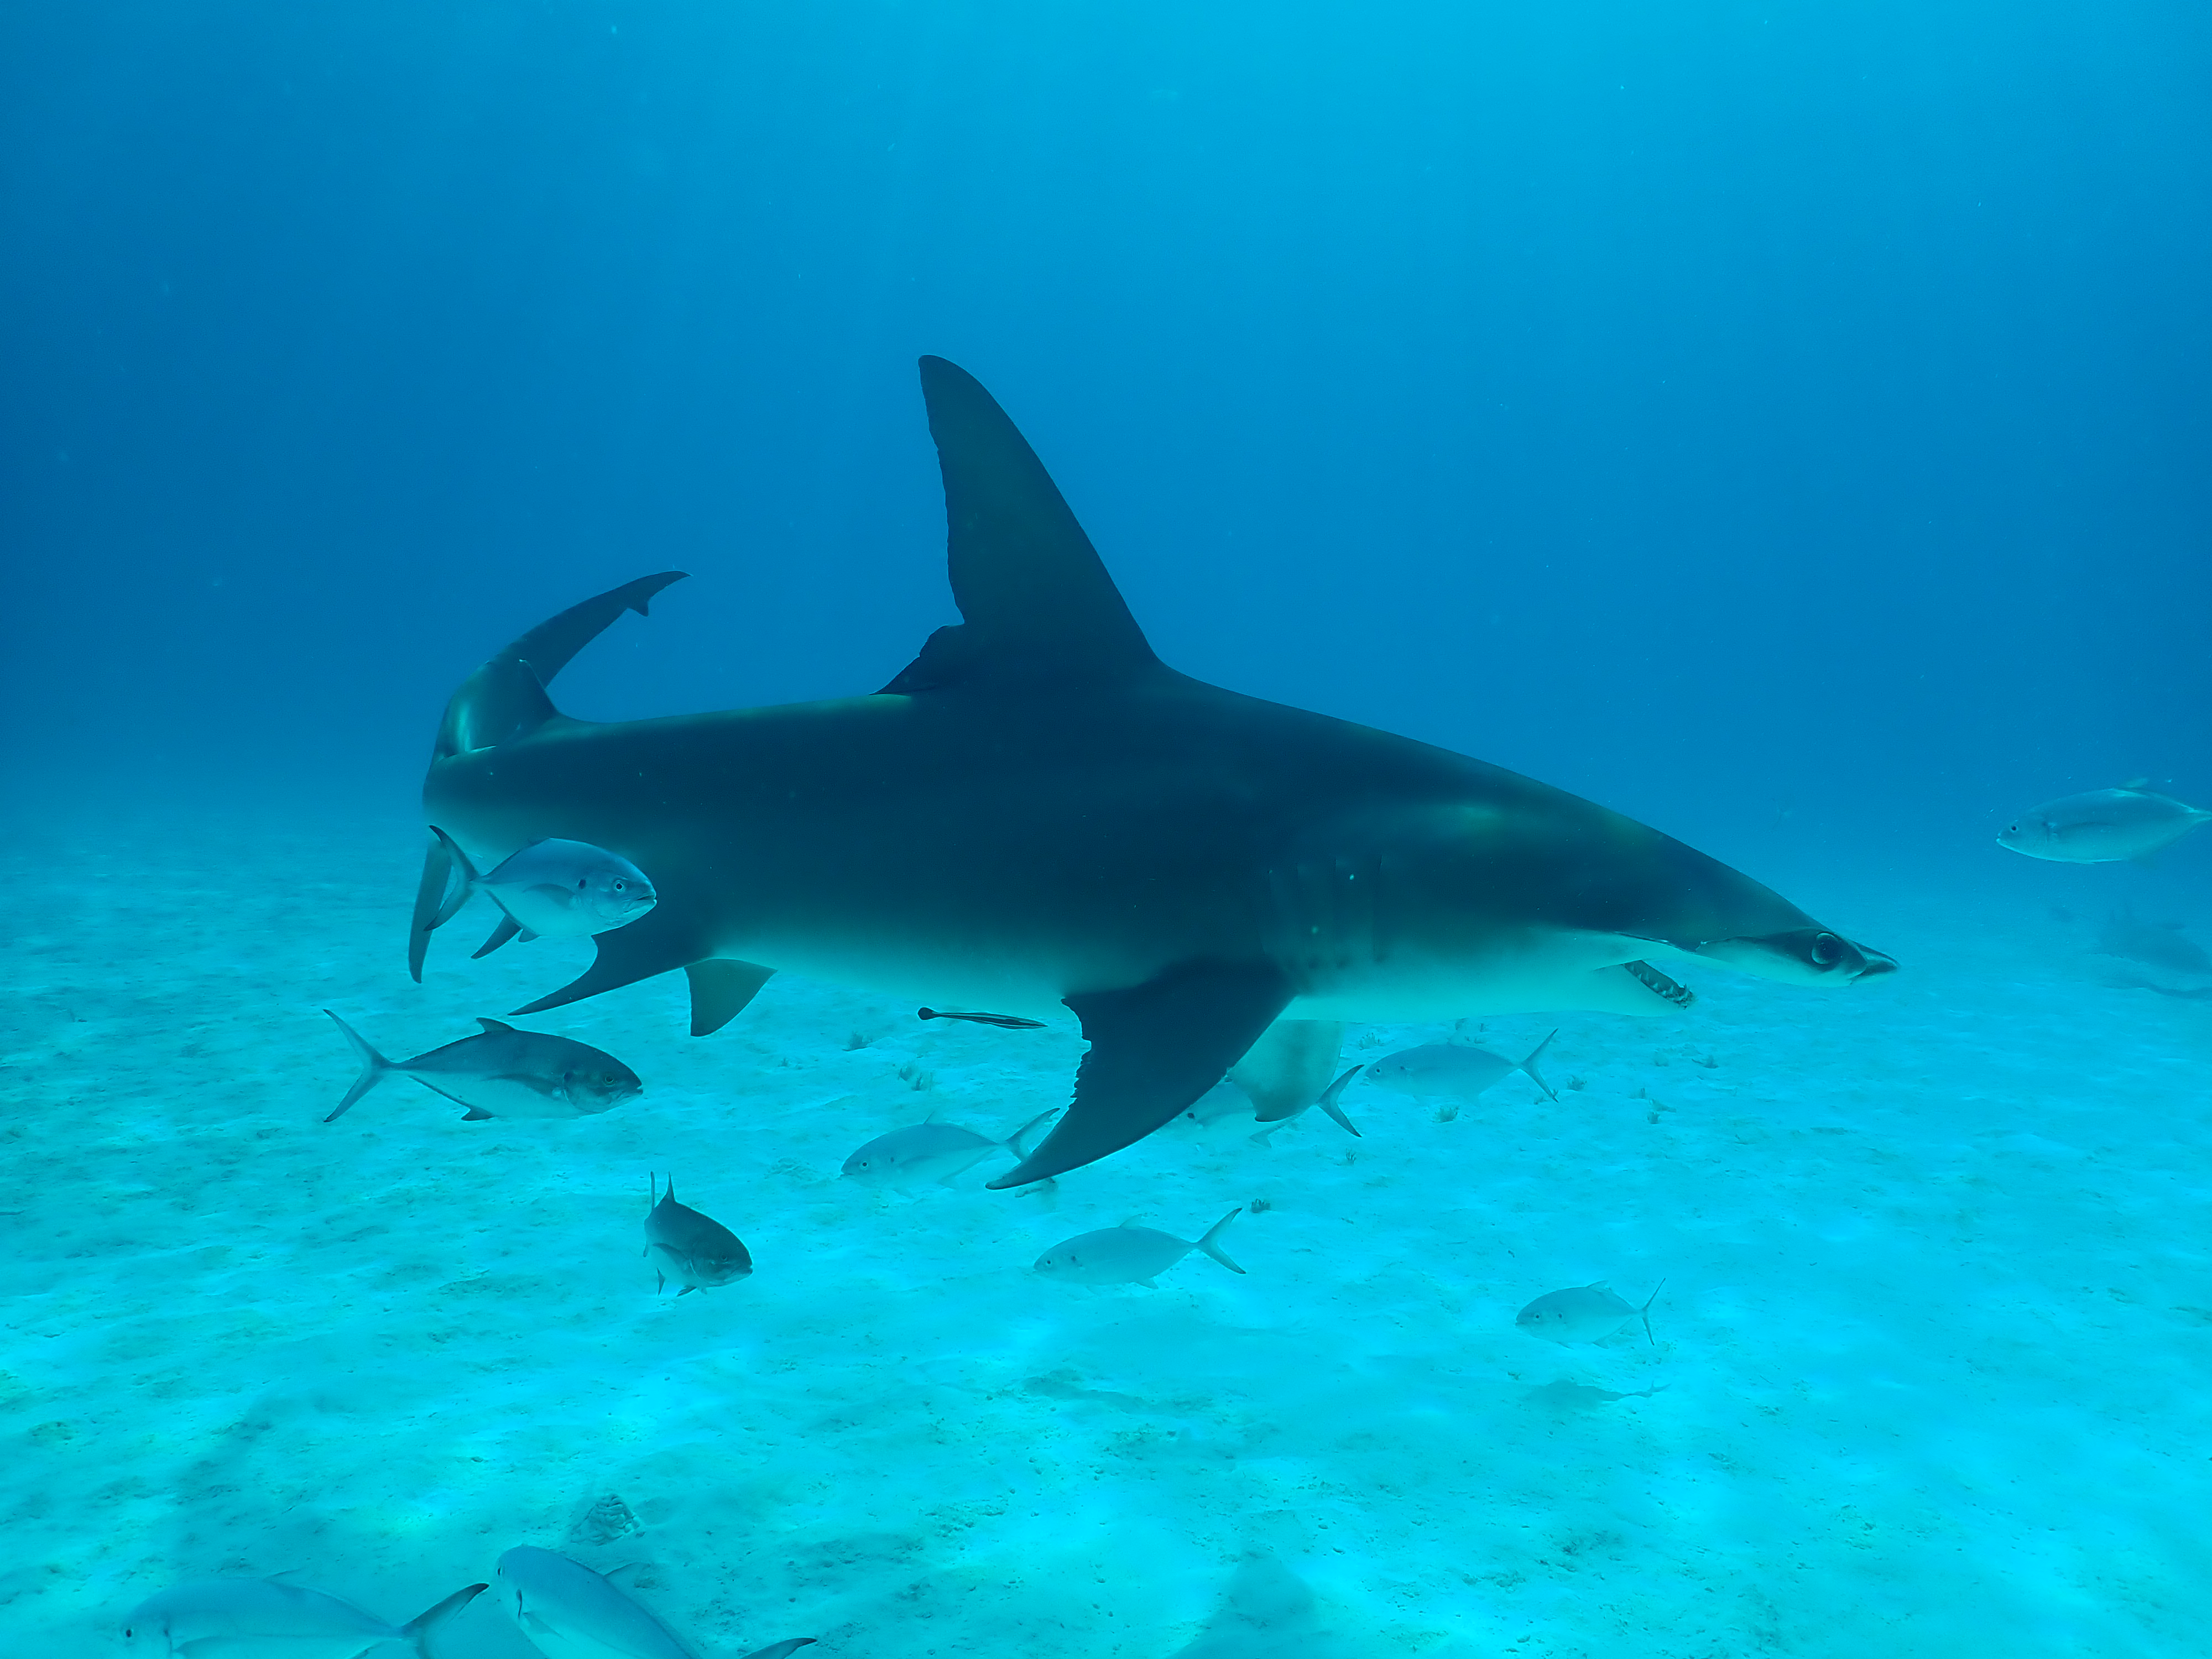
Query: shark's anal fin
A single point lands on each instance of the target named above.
(429, 899)
(720, 988)
(1036, 601)
(657, 943)
(1155, 1048)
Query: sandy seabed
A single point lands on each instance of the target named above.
(1933, 1363)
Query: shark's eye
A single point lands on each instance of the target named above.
(1826, 951)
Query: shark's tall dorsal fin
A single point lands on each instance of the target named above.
(1036, 601)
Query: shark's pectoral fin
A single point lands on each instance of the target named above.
(1155, 1048)
(720, 988)
(507, 928)
(649, 947)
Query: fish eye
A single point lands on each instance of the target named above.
(1826, 951)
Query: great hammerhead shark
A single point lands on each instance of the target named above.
(1037, 812)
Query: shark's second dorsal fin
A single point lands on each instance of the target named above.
(1036, 604)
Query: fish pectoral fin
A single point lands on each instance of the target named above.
(491, 1025)
(720, 988)
(531, 1623)
(507, 928)
(1155, 1048)
(475, 1115)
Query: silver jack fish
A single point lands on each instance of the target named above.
(550, 890)
(570, 1612)
(1450, 1071)
(260, 1618)
(699, 1251)
(923, 1152)
(1130, 1254)
(1588, 1313)
(2101, 826)
(502, 1073)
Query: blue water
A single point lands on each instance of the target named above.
(1782, 423)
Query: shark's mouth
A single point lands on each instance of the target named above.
(1659, 985)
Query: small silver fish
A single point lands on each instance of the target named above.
(931, 1151)
(570, 1612)
(550, 890)
(1588, 1313)
(698, 1251)
(258, 1618)
(502, 1073)
(2101, 826)
(1129, 1254)
(1450, 1071)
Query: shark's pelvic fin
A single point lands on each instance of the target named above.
(720, 988)
(626, 955)
(1036, 601)
(1155, 1048)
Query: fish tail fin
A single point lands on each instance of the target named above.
(457, 893)
(1646, 1311)
(375, 1068)
(1214, 1232)
(1012, 1143)
(417, 1630)
(1528, 1068)
(782, 1649)
(1327, 1102)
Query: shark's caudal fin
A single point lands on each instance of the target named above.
(503, 700)
(1036, 604)
(1155, 1048)
(506, 698)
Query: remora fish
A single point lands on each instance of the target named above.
(923, 1152)
(570, 1612)
(1448, 1070)
(698, 1250)
(1588, 1313)
(1037, 812)
(550, 890)
(502, 1073)
(2101, 826)
(1130, 1254)
(262, 1618)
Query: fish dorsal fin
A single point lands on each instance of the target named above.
(1035, 602)
(491, 1025)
